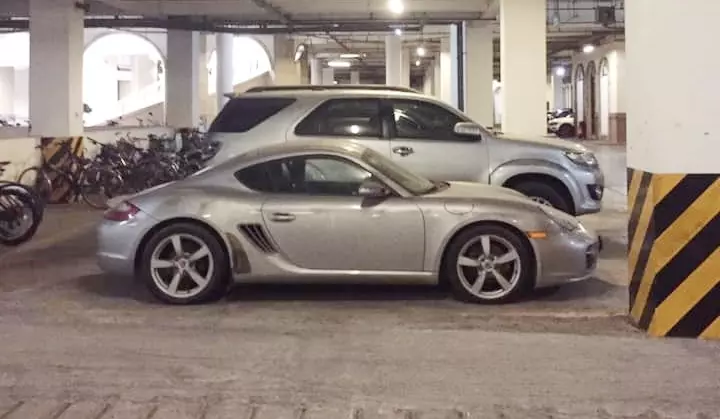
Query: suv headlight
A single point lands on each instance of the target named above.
(565, 221)
(585, 159)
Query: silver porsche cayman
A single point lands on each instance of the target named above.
(338, 212)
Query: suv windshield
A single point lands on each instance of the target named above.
(415, 184)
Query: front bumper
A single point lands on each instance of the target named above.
(567, 257)
(589, 191)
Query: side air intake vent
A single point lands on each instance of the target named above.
(256, 234)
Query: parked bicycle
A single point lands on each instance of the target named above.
(21, 212)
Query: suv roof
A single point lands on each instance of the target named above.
(334, 89)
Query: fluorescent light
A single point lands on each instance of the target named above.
(587, 49)
(398, 31)
(560, 71)
(417, 63)
(339, 64)
(420, 51)
(350, 55)
(396, 6)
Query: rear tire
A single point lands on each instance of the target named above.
(161, 262)
(15, 203)
(36, 179)
(546, 194)
(489, 264)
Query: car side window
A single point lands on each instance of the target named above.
(242, 114)
(416, 119)
(308, 175)
(343, 118)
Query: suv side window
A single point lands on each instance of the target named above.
(343, 118)
(416, 119)
(241, 114)
(311, 175)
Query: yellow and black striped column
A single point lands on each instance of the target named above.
(57, 159)
(674, 253)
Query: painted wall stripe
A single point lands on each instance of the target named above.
(674, 253)
(671, 241)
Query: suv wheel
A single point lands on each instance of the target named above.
(545, 194)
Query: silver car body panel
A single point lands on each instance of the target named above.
(474, 161)
(401, 239)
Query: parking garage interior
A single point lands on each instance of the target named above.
(622, 84)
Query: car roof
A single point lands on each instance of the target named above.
(329, 91)
(345, 147)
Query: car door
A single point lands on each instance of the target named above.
(356, 119)
(319, 222)
(422, 138)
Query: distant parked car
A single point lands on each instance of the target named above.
(337, 211)
(561, 122)
(420, 132)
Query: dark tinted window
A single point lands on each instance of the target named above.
(343, 118)
(311, 175)
(424, 120)
(243, 114)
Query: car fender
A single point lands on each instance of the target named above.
(510, 218)
(513, 168)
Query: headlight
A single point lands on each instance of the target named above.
(565, 221)
(585, 159)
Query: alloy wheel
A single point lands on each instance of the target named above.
(489, 267)
(182, 266)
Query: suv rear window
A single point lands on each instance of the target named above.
(243, 113)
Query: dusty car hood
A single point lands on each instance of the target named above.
(546, 142)
(473, 191)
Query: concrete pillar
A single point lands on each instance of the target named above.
(56, 68)
(203, 81)
(674, 177)
(393, 61)
(479, 73)
(447, 70)
(328, 75)
(354, 77)
(182, 99)
(523, 66)
(286, 70)
(315, 71)
(406, 65)
(225, 68)
(437, 77)
(7, 91)
(428, 81)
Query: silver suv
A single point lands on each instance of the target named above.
(418, 131)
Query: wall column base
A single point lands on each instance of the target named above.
(618, 130)
(674, 253)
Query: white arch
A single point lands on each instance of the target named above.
(250, 59)
(108, 89)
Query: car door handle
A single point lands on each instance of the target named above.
(282, 217)
(403, 151)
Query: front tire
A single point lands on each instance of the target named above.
(546, 194)
(489, 264)
(566, 131)
(185, 263)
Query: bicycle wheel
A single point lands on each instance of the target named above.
(38, 203)
(18, 222)
(61, 186)
(98, 185)
(36, 179)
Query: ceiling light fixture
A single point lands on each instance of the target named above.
(417, 63)
(588, 48)
(398, 31)
(350, 55)
(396, 6)
(339, 64)
(420, 51)
(560, 71)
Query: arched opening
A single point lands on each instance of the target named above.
(250, 59)
(580, 98)
(591, 101)
(14, 78)
(604, 99)
(123, 76)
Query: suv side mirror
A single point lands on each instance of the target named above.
(371, 188)
(467, 129)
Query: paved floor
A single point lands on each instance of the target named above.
(75, 343)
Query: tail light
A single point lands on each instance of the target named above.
(121, 212)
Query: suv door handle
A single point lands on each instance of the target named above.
(403, 151)
(282, 217)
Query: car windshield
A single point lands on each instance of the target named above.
(415, 184)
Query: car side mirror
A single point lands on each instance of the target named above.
(468, 129)
(371, 188)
